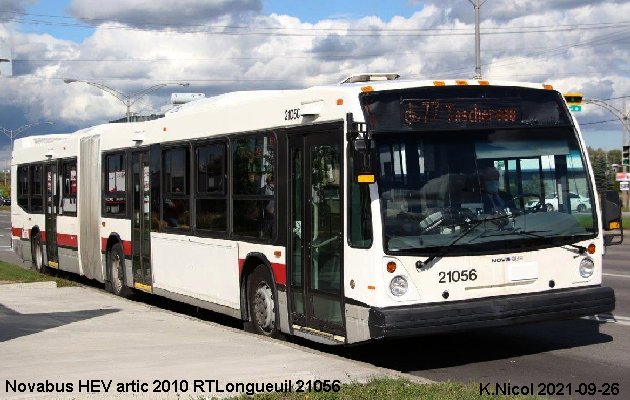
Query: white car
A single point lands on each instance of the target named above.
(578, 202)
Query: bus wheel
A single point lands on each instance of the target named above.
(37, 254)
(262, 303)
(116, 270)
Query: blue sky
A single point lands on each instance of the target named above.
(579, 45)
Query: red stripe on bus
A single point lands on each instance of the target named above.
(16, 232)
(42, 236)
(279, 271)
(125, 244)
(66, 240)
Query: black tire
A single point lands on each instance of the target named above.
(37, 253)
(262, 304)
(549, 207)
(116, 271)
(581, 208)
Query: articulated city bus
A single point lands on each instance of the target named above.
(370, 209)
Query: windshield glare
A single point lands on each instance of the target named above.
(483, 191)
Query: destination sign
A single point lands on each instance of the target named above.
(462, 108)
(438, 112)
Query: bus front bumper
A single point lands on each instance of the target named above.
(425, 319)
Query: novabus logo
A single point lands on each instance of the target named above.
(507, 258)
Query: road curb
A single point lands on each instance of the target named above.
(29, 285)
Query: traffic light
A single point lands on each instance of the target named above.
(574, 98)
(625, 156)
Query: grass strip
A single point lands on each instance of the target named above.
(389, 388)
(14, 274)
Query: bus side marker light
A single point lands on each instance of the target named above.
(391, 267)
(462, 83)
(484, 83)
(439, 83)
(352, 284)
(614, 225)
(371, 287)
(164, 129)
(277, 253)
(591, 248)
(103, 223)
(340, 102)
(548, 87)
(366, 89)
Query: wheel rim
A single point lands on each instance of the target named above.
(549, 207)
(39, 257)
(263, 308)
(116, 273)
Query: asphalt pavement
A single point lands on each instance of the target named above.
(588, 353)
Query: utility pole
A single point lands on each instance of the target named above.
(477, 4)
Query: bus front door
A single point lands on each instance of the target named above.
(315, 232)
(141, 221)
(51, 209)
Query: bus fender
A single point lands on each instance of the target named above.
(111, 240)
(252, 260)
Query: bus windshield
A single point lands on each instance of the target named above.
(483, 190)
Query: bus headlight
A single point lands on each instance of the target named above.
(587, 266)
(398, 286)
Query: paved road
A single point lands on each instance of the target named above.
(574, 351)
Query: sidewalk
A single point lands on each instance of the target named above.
(74, 335)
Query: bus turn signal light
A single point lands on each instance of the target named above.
(614, 225)
(366, 178)
(391, 267)
(591, 248)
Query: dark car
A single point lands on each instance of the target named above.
(6, 201)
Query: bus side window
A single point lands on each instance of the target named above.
(36, 189)
(69, 189)
(22, 189)
(115, 185)
(211, 196)
(176, 199)
(254, 186)
(359, 211)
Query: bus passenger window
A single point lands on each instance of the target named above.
(176, 201)
(211, 197)
(69, 192)
(22, 188)
(254, 186)
(115, 185)
(36, 188)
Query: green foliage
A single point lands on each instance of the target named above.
(601, 162)
(14, 274)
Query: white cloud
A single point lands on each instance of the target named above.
(433, 43)
(158, 13)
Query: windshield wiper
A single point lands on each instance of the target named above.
(444, 250)
(551, 240)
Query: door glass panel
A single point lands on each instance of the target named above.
(297, 197)
(326, 218)
(141, 245)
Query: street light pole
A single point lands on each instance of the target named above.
(477, 4)
(13, 133)
(127, 99)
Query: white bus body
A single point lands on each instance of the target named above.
(245, 204)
